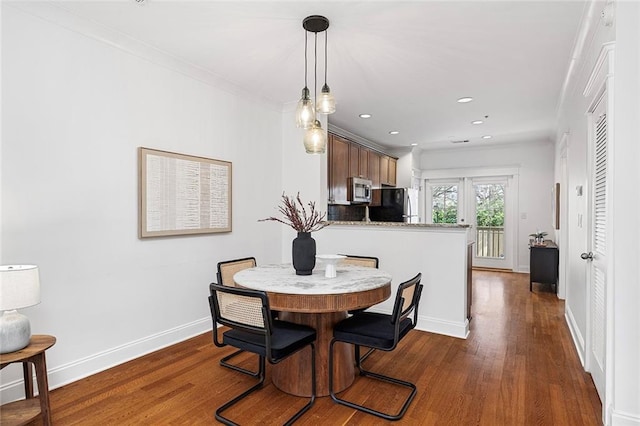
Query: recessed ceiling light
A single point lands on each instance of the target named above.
(365, 116)
(487, 137)
(477, 122)
(414, 144)
(394, 132)
(465, 100)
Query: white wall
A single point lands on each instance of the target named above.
(534, 161)
(625, 404)
(74, 111)
(622, 400)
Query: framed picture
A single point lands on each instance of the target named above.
(182, 194)
(555, 205)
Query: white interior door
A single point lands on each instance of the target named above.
(597, 256)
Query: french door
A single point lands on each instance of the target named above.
(485, 203)
(488, 200)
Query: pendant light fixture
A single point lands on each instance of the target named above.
(305, 113)
(326, 101)
(315, 139)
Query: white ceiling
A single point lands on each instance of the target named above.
(406, 63)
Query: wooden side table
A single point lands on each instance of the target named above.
(23, 411)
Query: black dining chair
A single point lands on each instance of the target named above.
(226, 271)
(367, 262)
(253, 329)
(383, 332)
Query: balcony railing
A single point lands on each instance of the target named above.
(490, 241)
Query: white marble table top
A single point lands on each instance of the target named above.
(283, 279)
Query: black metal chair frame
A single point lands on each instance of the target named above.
(399, 314)
(267, 332)
(225, 361)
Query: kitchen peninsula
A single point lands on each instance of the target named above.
(438, 251)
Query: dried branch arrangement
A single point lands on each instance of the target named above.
(296, 215)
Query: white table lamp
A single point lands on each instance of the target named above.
(19, 288)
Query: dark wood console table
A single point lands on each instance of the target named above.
(543, 264)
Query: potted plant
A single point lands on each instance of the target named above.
(304, 222)
(538, 237)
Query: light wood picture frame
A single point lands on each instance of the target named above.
(182, 194)
(556, 206)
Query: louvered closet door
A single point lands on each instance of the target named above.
(597, 268)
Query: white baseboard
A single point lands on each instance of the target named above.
(448, 328)
(619, 418)
(434, 325)
(578, 340)
(84, 367)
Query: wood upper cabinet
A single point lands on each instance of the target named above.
(358, 161)
(348, 159)
(338, 168)
(391, 174)
(384, 170)
(374, 168)
(388, 167)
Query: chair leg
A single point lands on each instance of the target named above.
(366, 355)
(258, 385)
(238, 398)
(224, 363)
(373, 375)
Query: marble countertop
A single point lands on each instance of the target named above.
(283, 279)
(399, 224)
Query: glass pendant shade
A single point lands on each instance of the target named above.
(305, 112)
(315, 139)
(326, 101)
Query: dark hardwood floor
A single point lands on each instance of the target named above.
(518, 367)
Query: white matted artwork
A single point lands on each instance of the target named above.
(182, 194)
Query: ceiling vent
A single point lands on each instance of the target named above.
(461, 141)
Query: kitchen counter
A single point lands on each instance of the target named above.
(399, 224)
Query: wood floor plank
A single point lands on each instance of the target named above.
(518, 367)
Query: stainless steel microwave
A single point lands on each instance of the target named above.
(359, 190)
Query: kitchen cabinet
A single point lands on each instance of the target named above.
(543, 264)
(388, 167)
(350, 159)
(358, 161)
(374, 168)
(338, 168)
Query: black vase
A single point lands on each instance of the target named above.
(304, 253)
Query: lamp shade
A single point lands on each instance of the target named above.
(19, 286)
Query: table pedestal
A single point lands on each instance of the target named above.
(293, 375)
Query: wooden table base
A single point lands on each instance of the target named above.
(293, 375)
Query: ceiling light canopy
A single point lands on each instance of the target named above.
(315, 139)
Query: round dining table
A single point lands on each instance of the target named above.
(319, 302)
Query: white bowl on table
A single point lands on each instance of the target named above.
(330, 260)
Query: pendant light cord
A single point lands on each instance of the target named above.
(315, 69)
(305, 58)
(325, 56)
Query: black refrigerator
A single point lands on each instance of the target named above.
(396, 205)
